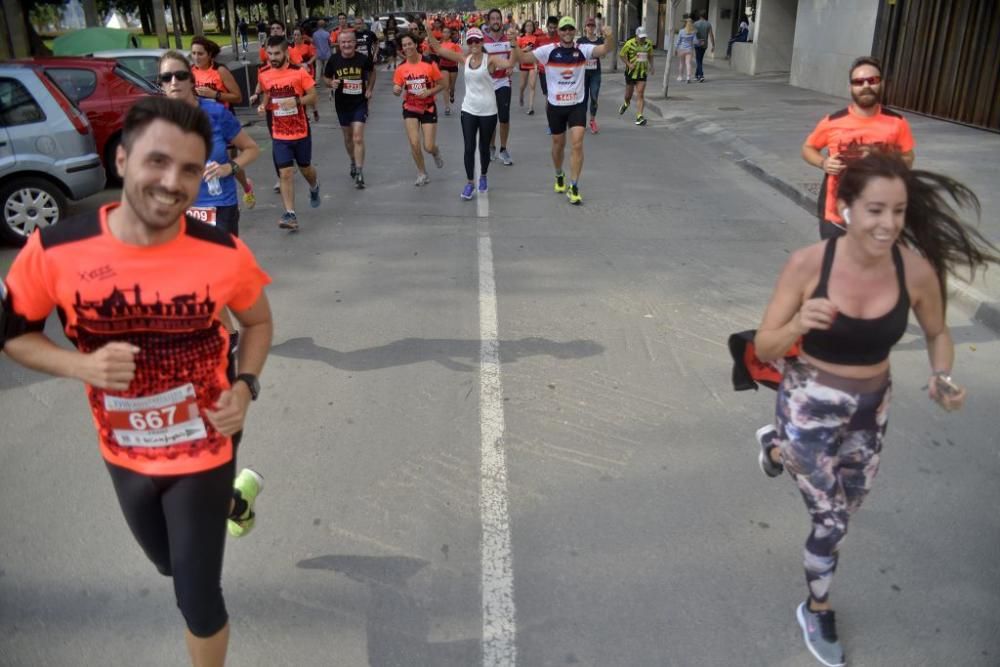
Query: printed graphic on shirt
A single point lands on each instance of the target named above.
(353, 74)
(416, 78)
(564, 71)
(850, 136)
(500, 48)
(283, 86)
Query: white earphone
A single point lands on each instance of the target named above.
(847, 216)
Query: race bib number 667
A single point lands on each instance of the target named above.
(161, 420)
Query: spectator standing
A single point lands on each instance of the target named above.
(321, 42)
(705, 36)
(261, 33)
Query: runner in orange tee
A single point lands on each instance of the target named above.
(418, 82)
(278, 30)
(140, 289)
(529, 74)
(286, 92)
(302, 47)
(852, 133)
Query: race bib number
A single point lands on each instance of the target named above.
(566, 98)
(170, 418)
(352, 87)
(285, 106)
(204, 214)
(416, 86)
(591, 63)
(641, 57)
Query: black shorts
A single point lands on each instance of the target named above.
(503, 104)
(426, 118)
(358, 114)
(632, 80)
(574, 115)
(228, 218)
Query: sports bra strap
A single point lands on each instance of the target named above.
(824, 274)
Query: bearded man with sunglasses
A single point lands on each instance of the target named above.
(851, 134)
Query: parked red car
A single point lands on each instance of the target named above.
(104, 91)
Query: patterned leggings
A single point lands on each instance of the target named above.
(830, 432)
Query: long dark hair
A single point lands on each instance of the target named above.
(932, 226)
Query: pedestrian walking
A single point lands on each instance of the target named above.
(261, 33)
(321, 42)
(244, 30)
(706, 37)
(149, 347)
(684, 49)
(850, 134)
(592, 75)
(848, 299)
(637, 54)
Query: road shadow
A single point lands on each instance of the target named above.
(454, 354)
(397, 625)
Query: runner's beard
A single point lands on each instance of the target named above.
(278, 64)
(867, 98)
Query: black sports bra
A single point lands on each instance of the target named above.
(854, 341)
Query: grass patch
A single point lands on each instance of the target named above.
(151, 42)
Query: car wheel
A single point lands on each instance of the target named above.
(112, 180)
(29, 203)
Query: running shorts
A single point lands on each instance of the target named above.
(503, 104)
(357, 115)
(632, 80)
(426, 118)
(574, 115)
(295, 152)
(228, 218)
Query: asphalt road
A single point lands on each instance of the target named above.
(642, 531)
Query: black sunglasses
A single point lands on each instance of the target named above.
(567, 28)
(180, 75)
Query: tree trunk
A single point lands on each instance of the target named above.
(195, 13)
(189, 24)
(90, 13)
(175, 14)
(144, 18)
(160, 21)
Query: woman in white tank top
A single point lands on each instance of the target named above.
(479, 106)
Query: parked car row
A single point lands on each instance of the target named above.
(61, 122)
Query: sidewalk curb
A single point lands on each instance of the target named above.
(976, 304)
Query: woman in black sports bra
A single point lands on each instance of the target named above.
(848, 300)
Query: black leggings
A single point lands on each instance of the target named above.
(484, 125)
(180, 522)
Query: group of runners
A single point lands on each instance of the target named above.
(170, 380)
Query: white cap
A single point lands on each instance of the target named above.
(640, 32)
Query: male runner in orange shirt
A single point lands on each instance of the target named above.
(852, 133)
(286, 92)
(140, 289)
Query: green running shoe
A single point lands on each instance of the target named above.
(622, 108)
(560, 185)
(573, 194)
(247, 485)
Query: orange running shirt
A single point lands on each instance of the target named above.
(301, 53)
(165, 300)
(450, 65)
(283, 86)
(210, 78)
(543, 39)
(527, 44)
(850, 135)
(415, 77)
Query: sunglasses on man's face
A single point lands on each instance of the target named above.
(180, 75)
(567, 28)
(867, 80)
(474, 41)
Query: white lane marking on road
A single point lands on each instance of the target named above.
(483, 205)
(499, 647)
